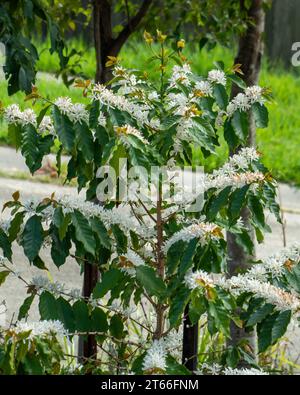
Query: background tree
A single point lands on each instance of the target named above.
(250, 51)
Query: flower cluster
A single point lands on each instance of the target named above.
(46, 125)
(155, 359)
(202, 231)
(217, 77)
(244, 101)
(124, 131)
(41, 328)
(75, 112)
(216, 369)
(180, 75)
(236, 172)
(13, 115)
(108, 98)
(282, 300)
(129, 261)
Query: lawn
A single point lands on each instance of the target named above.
(279, 143)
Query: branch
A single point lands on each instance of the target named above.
(129, 28)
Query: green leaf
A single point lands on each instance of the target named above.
(5, 245)
(81, 314)
(236, 202)
(293, 277)
(220, 316)
(116, 326)
(120, 238)
(260, 314)
(240, 125)
(94, 114)
(30, 148)
(101, 232)
(3, 276)
(237, 80)
(218, 203)
(257, 211)
(66, 314)
(48, 307)
(83, 231)
(15, 135)
(32, 237)
(99, 320)
(85, 140)
(272, 328)
(59, 248)
(174, 256)
(280, 325)
(221, 96)
(15, 226)
(230, 136)
(188, 255)
(64, 129)
(177, 305)
(147, 278)
(175, 368)
(24, 309)
(109, 280)
(260, 114)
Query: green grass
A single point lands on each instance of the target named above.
(279, 143)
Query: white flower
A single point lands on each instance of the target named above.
(64, 104)
(13, 114)
(255, 94)
(41, 328)
(46, 125)
(241, 102)
(102, 119)
(43, 283)
(129, 261)
(217, 76)
(205, 87)
(180, 74)
(213, 370)
(153, 96)
(281, 299)
(173, 343)
(244, 372)
(198, 278)
(125, 130)
(107, 97)
(29, 117)
(203, 231)
(155, 359)
(75, 112)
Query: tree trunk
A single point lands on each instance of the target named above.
(102, 38)
(105, 45)
(190, 342)
(249, 56)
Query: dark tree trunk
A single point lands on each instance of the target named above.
(105, 45)
(102, 38)
(249, 56)
(190, 342)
